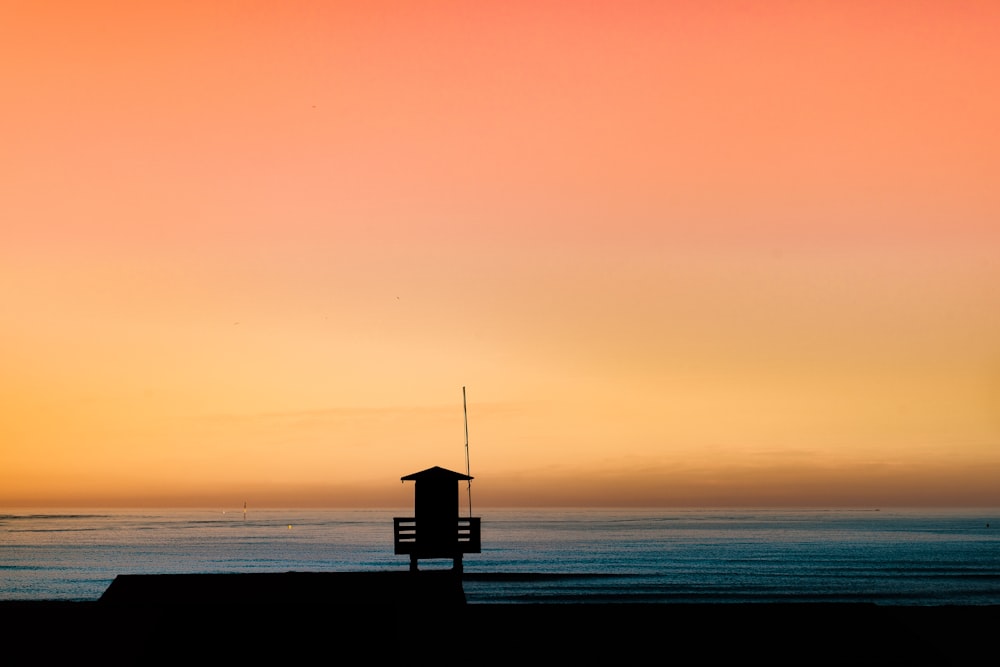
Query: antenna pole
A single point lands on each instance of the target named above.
(465, 410)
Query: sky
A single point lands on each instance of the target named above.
(664, 254)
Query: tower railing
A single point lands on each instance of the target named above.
(432, 541)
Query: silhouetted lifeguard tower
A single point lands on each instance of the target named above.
(436, 530)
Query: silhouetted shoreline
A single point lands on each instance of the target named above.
(423, 616)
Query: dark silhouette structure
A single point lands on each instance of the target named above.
(254, 590)
(436, 530)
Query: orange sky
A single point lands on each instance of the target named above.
(679, 253)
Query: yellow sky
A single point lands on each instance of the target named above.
(679, 253)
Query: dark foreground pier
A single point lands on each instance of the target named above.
(422, 617)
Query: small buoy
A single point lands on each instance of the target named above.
(289, 526)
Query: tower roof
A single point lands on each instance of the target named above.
(436, 473)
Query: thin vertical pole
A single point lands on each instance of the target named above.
(468, 473)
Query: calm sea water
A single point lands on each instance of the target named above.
(916, 557)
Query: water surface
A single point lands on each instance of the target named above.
(916, 557)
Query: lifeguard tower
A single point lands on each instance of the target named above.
(436, 530)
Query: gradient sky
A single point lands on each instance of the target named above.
(679, 253)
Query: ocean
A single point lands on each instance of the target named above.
(888, 557)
